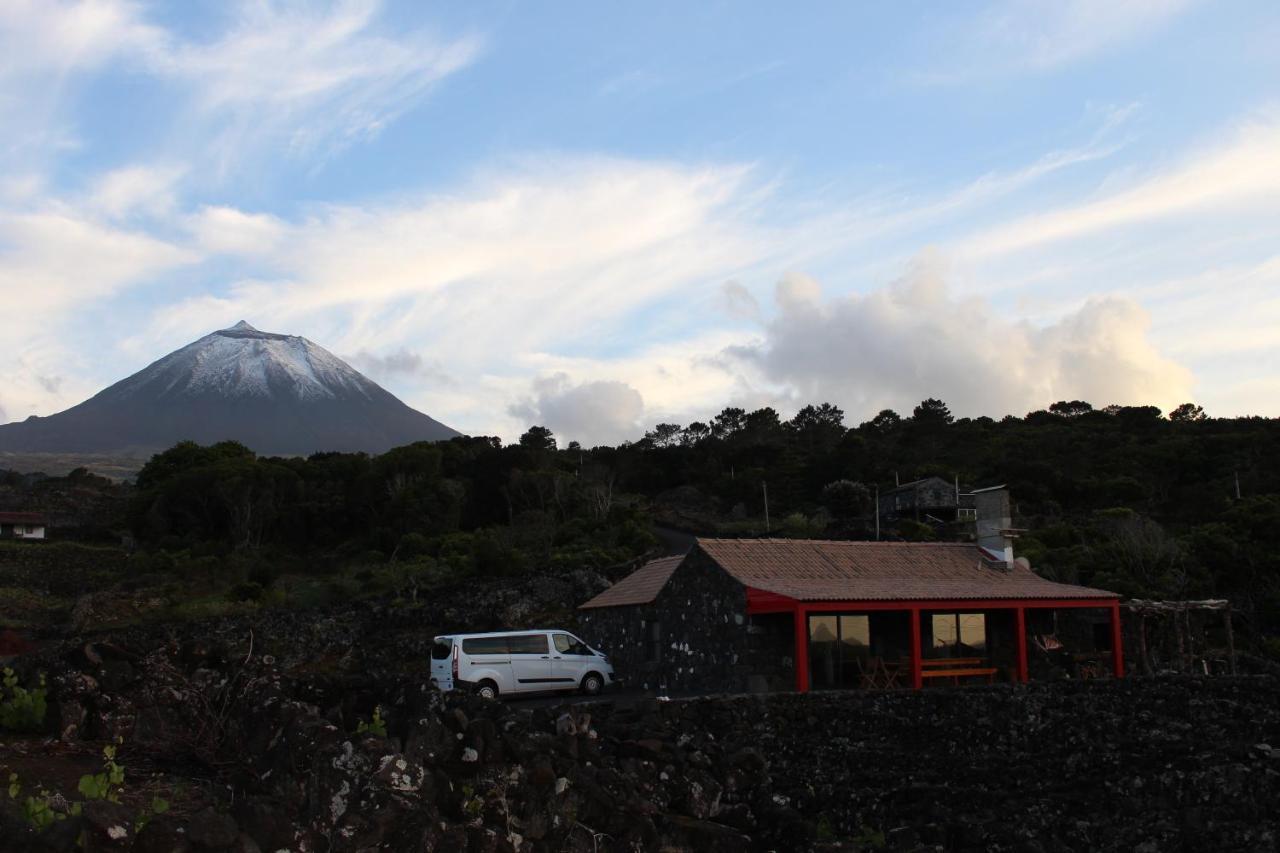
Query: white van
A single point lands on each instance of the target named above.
(507, 662)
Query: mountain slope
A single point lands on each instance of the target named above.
(278, 394)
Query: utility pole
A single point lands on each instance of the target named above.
(1237, 473)
(765, 487)
(877, 513)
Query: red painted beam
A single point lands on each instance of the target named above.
(1020, 637)
(760, 601)
(802, 649)
(1117, 643)
(917, 679)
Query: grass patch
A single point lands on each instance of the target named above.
(24, 608)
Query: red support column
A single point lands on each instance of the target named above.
(1117, 642)
(1020, 637)
(802, 649)
(917, 680)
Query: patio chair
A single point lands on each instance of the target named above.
(890, 676)
(869, 676)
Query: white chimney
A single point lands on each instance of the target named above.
(995, 522)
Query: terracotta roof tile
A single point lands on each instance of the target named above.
(818, 570)
(21, 518)
(640, 587)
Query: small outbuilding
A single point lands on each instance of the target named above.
(778, 614)
(22, 525)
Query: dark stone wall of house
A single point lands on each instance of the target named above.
(620, 633)
(708, 642)
(933, 492)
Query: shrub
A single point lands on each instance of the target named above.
(246, 591)
(377, 726)
(21, 709)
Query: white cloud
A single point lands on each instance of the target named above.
(601, 412)
(912, 340)
(312, 80)
(576, 245)
(1046, 35)
(147, 189)
(56, 258)
(1241, 173)
(228, 231)
(1019, 36)
(61, 35)
(400, 363)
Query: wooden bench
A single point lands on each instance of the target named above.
(956, 674)
(951, 662)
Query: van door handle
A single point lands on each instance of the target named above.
(544, 657)
(557, 657)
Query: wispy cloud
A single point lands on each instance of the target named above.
(1241, 172)
(314, 80)
(1046, 35)
(309, 79)
(1020, 36)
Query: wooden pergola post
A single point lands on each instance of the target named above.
(1020, 637)
(917, 678)
(1117, 643)
(802, 649)
(1147, 669)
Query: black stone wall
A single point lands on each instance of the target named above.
(708, 642)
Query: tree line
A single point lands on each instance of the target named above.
(1183, 505)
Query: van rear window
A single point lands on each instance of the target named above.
(441, 649)
(485, 645)
(528, 644)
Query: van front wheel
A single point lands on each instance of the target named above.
(592, 684)
(487, 690)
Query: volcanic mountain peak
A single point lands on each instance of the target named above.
(275, 393)
(244, 362)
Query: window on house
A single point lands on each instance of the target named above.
(957, 634)
(966, 513)
(653, 642)
(838, 647)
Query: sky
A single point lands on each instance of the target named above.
(599, 217)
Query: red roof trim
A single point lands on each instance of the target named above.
(761, 601)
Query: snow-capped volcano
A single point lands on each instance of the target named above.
(243, 362)
(278, 394)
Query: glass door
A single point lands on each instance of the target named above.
(839, 647)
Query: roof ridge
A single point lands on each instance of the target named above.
(841, 542)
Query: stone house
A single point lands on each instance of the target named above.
(929, 500)
(735, 615)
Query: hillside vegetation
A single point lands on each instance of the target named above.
(1121, 497)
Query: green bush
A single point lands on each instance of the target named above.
(21, 709)
(377, 726)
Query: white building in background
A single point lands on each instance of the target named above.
(22, 525)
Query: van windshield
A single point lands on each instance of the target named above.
(441, 649)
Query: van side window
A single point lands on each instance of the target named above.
(485, 646)
(528, 644)
(567, 645)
